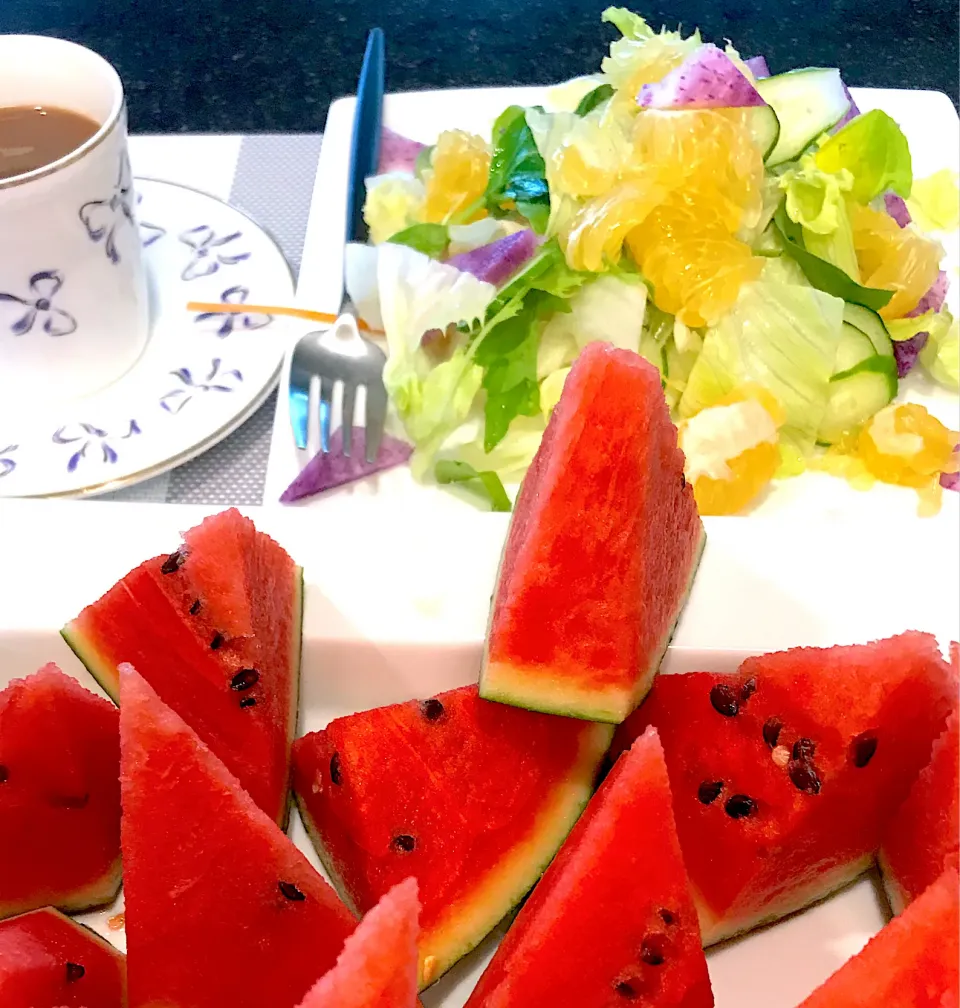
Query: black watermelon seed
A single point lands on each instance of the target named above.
(217, 641)
(625, 989)
(668, 916)
(709, 791)
(431, 709)
(404, 842)
(724, 700)
(804, 776)
(771, 731)
(173, 563)
(195, 608)
(748, 689)
(653, 950)
(248, 701)
(739, 806)
(336, 775)
(862, 749)
(74, 972)
(291, 892)
(804, 749)
(245, 679)
(683, 481)
(4, 774)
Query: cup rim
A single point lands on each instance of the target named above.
(116, 110)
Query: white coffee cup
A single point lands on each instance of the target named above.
(73, 297)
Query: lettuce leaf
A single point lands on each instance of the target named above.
(873, 149)
(934, 202)
(782, 337)
(941, 355)
(394, 202)
(430, 239)
(642, 55)
(518, 175)
(485, 483)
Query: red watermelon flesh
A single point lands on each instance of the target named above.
(215, 629)
(602, 549)
(378, 965)
(222, 910)
(924, 836)
(786, 773)
(59, 795)
(48, 961)
(911, 963)
(612, 922)
(471, 798)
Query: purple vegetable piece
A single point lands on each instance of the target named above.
(332, 469)
(758, 66)
(951, 481)
(906, 352)
(397, 153)
(500, 259)
(852, 112)
(897, 208)
(934, 298)
(706, 79)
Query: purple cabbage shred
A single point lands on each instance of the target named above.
(906, 352)
(852, 112)
(896, 208)
(397, 153)
(934, 298)
(758, 66)
(500, 259)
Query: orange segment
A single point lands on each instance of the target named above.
(457, 178)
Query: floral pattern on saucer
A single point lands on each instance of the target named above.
(201, 374)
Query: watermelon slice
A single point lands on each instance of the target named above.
(786, 773)
(471, 798)
(221, 908)
(59, 795)
(924, 836)
(47, 960)
(378, 965)
(602, 549)
(612, 920)
(215, 629)
(911, 963)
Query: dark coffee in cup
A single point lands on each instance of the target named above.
(32, 136)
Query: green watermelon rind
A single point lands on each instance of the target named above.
(574, 709)
(586, 788)
(109, 681)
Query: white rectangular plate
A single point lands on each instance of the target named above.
(396, 608)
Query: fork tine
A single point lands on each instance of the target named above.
(298, 401)
(375, 419)
(346, 416)
(326, 409)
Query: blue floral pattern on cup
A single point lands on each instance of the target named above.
(149, 233)
(39, 307)
(215, 381)
(102, 218)
(7, 464)
(91, 436)
(207, 257)
(234, 320)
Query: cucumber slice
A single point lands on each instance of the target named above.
(856, 395)
(764, 127)
(854, 347)
(871, 325)
(807, 103)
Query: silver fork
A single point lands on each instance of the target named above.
(338, 355)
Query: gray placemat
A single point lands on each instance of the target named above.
(273, 183)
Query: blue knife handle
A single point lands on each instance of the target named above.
(365, 150)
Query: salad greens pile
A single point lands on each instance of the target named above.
(482, 329)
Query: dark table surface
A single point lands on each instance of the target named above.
(274, 65)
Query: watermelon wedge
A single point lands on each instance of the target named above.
(612, 920)
(221, 907)
(924, 836)
(378, 965)
(786, 773)
(911, 963)
(215, 629)
(47, 960)
(469, 797)
(602, 549)
(59, 795)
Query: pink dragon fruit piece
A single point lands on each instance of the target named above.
(934, 298)
(706, 79)
(758, 66)
(896, 208)
(397, 153)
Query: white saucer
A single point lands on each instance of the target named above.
(200, 376)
